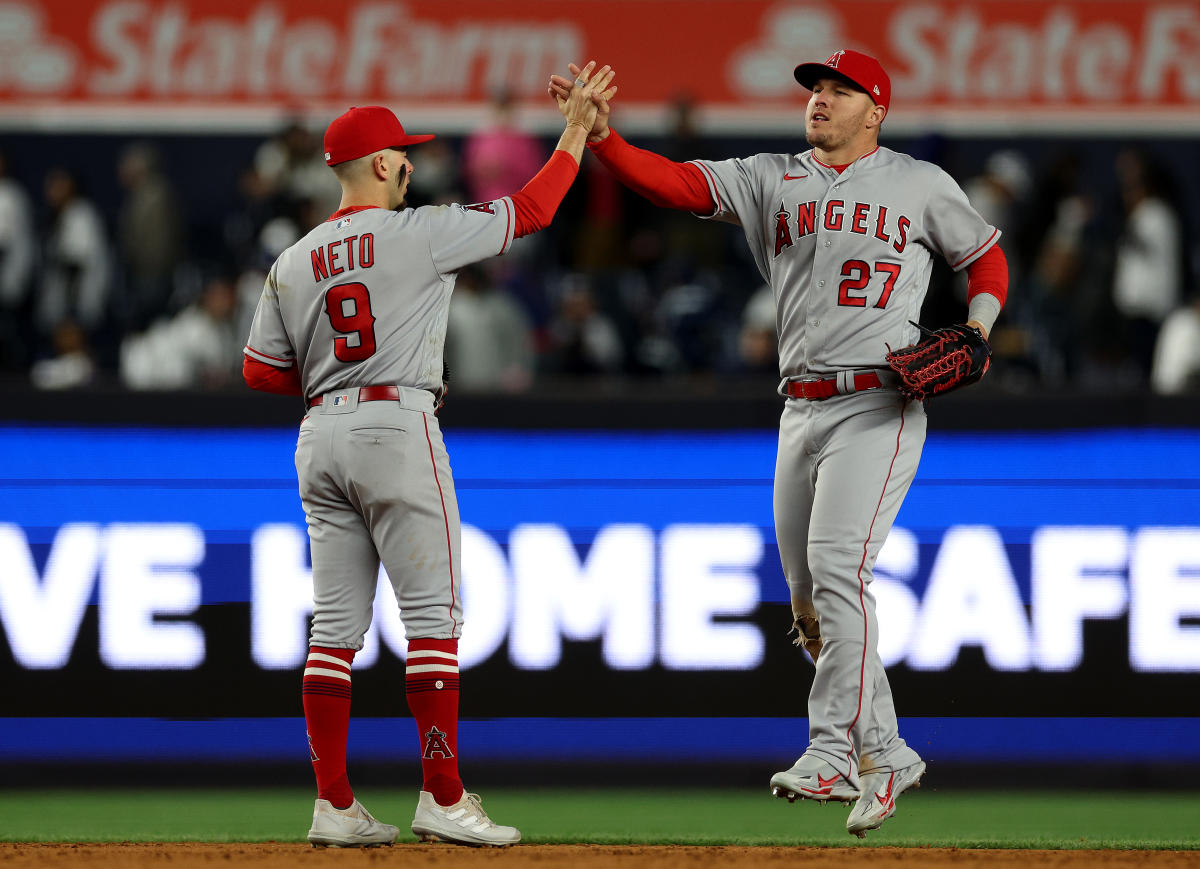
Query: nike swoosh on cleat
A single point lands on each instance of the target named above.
(824, 785)
(787, 177)
(886, 799)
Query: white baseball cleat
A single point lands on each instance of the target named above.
(812, 779)
(352, 827)
(880, 790)
(464, 823)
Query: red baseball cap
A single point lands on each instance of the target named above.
(364, 130)
(861, 69)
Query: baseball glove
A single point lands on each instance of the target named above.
(942, 360)
(808, 635)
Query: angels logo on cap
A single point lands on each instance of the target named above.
(860, 69)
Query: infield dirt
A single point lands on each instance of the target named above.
(270, 855)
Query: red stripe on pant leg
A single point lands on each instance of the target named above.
(326, 703)
(862, 669)
(436, 713)
(446, 519)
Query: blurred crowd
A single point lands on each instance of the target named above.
(1103, 293)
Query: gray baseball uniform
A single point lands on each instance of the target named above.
(848, 257)
(362, 301)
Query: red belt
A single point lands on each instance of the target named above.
(366, 393)
(818, 390)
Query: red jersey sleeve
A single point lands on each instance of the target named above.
(268, 378)
(664, 182)
(536, 202)
(988, 274)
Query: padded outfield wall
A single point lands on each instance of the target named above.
(1039, 596)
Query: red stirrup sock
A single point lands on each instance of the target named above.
(326, 695)
(431, 688)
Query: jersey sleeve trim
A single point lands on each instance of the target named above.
(979, 251)
(509, 234)
(712, 189)
(277, 361)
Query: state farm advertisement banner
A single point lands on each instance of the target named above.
(1018, 64)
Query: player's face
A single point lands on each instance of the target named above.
(401, 171)
(836, 114)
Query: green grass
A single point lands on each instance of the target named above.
(701, 817)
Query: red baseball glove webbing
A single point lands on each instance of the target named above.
(944, 359)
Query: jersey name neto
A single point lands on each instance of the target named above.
(326, 259)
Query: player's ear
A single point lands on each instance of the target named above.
(875, 116)
(379, 165)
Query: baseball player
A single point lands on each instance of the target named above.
(353, 317)
(844, 233)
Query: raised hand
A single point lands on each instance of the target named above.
(595, 88)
